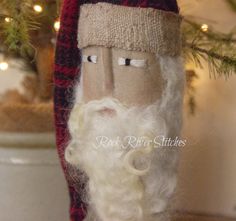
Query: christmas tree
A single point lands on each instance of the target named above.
(28, 31)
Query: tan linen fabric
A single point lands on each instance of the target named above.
(131, 85)
(130, 28)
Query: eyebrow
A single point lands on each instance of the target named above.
(89, 58)
(140, 63)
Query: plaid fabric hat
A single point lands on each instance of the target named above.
(67, 73)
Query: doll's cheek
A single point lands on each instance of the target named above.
(137, 86)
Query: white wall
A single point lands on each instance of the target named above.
(32, 185)
(207, 181)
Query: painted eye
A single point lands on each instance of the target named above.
(90, 58)
(132, 62)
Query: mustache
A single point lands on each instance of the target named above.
(110, 106)
(119, 115)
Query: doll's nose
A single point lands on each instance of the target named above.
(108, 83)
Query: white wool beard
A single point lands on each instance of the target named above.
(127, 184)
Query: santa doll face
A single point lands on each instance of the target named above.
(126, 96)
(129, 94)
(132, 77)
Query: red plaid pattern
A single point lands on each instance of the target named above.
(67, 72)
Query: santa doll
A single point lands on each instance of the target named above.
(119, 68)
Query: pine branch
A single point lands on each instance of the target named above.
(217, 49)
(16, 31)
(212, 34)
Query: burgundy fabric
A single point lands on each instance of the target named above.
(67, 69)
(167, 5)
